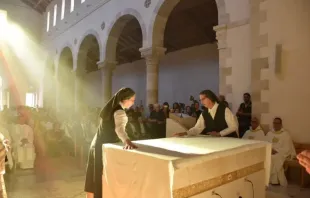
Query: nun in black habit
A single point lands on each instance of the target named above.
(111, 129)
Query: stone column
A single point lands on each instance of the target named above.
(260, 62)
(152, 56)
(77, 90)
(225, 70)
(106, 68)
(57, 89)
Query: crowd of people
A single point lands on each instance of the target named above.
(35, 132)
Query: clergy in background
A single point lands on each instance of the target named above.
(215, 120)
(282, 149)
(255, 132)
(24, 146)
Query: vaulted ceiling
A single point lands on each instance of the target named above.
(38, 5)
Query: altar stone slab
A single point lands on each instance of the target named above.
(194, 167)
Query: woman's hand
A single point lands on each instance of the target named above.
(304, 159)
(129, 145)
(214, 134)
(180, 134)
(6, 143)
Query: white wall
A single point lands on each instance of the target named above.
(24, 16)
(188, 72)
(92, 89)
(30, 22)
(131, 75)
(289, 94)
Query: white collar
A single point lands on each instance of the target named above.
(278, 132)
(257, 129)
(122, 106)
(214, 107)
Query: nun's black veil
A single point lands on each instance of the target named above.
(122, 94)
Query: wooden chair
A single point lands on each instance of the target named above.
(295, 164)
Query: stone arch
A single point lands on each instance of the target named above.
(161, 14)
(49, 88)
(115, 30)
(49, 68)
(66, 52)
(90, 43)
(86, 94)
(59, 52)
(66, 83)
(93, 33)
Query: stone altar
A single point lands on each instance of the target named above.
(181, 167)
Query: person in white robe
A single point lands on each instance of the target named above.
(282, 149)
(255, 132)
(24, 147)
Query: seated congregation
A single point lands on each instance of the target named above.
(39, 132)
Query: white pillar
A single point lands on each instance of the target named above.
(152, 56)
(106, 68)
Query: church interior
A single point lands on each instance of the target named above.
(63, 61)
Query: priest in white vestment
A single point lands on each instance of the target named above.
(255, 132)
(282, 149)
(24, 147)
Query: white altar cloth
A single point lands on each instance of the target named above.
(185, 167)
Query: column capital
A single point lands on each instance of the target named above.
(157, 52)
(78, 72)
(220, 28)
(221, 36)
(110, 65)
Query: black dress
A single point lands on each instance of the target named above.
(105, 134)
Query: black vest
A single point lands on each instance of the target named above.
(106, 130)
(218, 123)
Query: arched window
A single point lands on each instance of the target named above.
(72, 6)
(55, 15)
(48, 21)
(63, 6)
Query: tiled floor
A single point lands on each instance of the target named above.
(61, 178)
(53, 178)
(292, 191)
